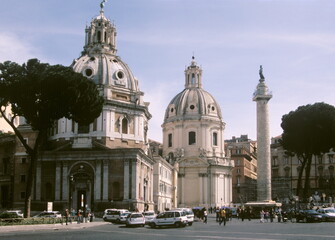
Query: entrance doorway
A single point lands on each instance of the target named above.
(81, 187)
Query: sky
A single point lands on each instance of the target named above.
(294, 41)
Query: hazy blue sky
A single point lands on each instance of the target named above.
(294, 40)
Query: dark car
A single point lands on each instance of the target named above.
(308, 215)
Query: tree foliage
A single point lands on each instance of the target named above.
(308, 131)
(42, 94)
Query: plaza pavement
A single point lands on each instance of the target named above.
(57, 226)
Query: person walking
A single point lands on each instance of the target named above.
(223, 216)
(67, 215)
(205, 216)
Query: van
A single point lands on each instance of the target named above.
(175, 218)
(112, 215)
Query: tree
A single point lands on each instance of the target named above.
(42, 94)
(308, 131)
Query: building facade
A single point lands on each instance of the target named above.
(243, 152)
(285, 172)
(193, 136)
(101, 165)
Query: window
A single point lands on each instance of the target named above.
(287, 172)
(238, 162)
(22, 195)
(191, 138)
(170, 140)
(215, 138)
(238, 171)
(116, 190)
(23, 178)
(285, 160)
(23, 160)
(5, 165)
(125, 126)
(83, 128)
(275, 161)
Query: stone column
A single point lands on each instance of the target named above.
(105, 181)
(58, 181)
(65, 183)
(97, 187)
(38, 182)
(261, 96)
(126, 179)
(134, 180)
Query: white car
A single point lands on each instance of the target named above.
(328, 214)
(122, 218)
(113, 214)
(135, 219)
(149, 216)
(18, 212)
(175, 218)
(189, 214)
(49, 214)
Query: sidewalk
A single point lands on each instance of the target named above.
(57, 226)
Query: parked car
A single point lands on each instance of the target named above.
(113, 214)
(7, 214)
(328, 214)
(135, 219)
(149, 216)
(189, 215)
(308, 215)
(175, 218)
(122, 218)
(17, 212)
(49, 214)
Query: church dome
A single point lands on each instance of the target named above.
(193, 102)
(106, 69)
(99, 62)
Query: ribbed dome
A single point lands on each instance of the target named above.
(106, 70)
(193, 102)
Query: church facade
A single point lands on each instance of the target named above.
(193, 136)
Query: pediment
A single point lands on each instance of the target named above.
(192, 162)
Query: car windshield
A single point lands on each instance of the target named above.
(136, 216)
(330, 210)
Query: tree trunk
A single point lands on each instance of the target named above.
(30, 182)
(299, 184)
(307, 177)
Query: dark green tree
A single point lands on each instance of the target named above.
(308, 131)
(42, 94)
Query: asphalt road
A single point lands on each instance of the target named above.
(235, 230)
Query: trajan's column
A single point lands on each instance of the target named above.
(261, 96)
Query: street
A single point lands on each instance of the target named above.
(235, 229)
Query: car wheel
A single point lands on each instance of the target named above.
(190, 223)
(153, 225)
(177, 224)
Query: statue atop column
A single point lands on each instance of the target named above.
(261, 73)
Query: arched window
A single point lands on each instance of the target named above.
(215, 139)
(193, 78)
(170, 140)
(99, 36)
(191, 138)
(287, 172)
(125, 126)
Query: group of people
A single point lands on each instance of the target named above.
(82, 216)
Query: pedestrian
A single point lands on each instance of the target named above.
(217, 212)
(205, 216)
(67, 215)
(271, 214)
(78, 216)
(266, 216)
(262, 216)
(223, 217)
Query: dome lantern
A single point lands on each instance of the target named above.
(193, 75)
